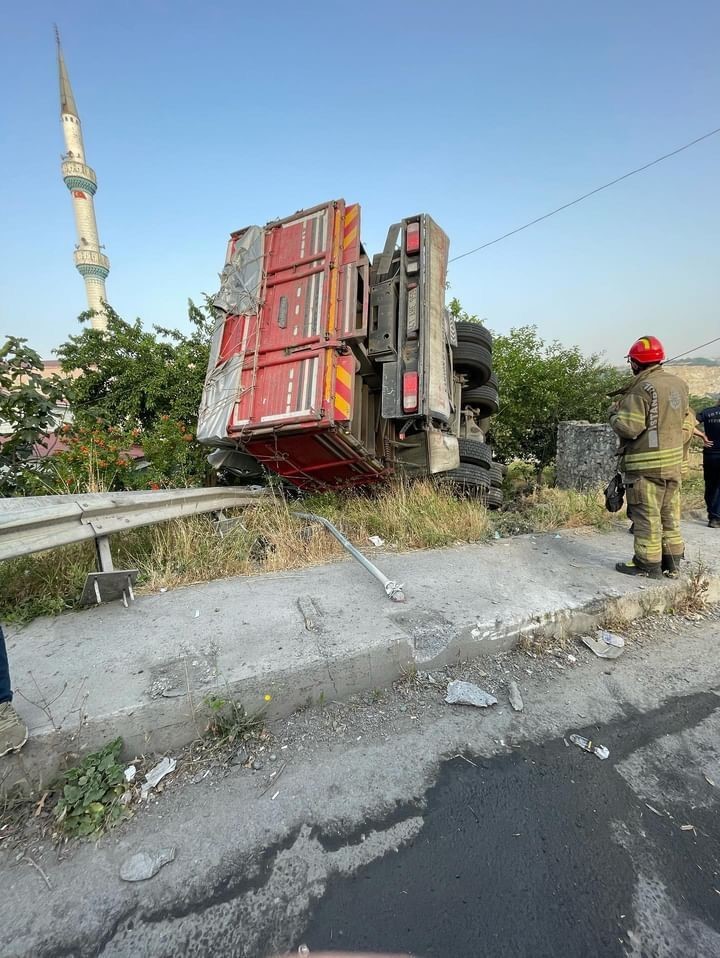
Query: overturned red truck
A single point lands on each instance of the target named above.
(332, 371)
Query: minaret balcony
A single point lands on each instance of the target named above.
(91, 262)
(79, 176)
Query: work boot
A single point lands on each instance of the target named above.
(13, 731)
(714, 523)
(631, 568)
(671, 565)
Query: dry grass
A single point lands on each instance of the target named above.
(268, 538)
(547, 509)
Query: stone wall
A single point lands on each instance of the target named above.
(586, 455)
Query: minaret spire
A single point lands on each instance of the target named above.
(67, 100)
(80, 179)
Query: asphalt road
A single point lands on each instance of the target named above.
(361, 831)
(520, 855)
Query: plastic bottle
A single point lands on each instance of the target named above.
(588, 746)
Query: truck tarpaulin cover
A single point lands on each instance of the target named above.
(240, 288)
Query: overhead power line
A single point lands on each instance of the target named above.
(579, 199)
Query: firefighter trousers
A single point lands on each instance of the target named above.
(655, 507)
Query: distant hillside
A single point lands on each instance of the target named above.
(702, 380)
(700, 361)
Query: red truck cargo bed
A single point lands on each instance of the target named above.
(281, 379)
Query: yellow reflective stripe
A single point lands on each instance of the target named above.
(630, 416)
(666, 457)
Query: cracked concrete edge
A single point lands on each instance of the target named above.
(162, 725)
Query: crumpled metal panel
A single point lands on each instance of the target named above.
(239, 295)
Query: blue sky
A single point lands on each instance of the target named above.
(202, 118)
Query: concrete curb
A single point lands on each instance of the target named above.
(377, 646)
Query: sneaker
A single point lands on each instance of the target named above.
(13, 731)
(629, 568)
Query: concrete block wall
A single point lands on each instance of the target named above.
(586, 455)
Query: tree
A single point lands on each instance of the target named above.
(147, 384)
(28, 404)
(132, 377)
(540, 385)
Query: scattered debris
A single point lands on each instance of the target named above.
(465, 759)
(41, 804)
(197, 614)
(130, 773)
(309, 612)
(164, 589)
(565, 741)
(273, 797)
(144, 865)
(587, 745)
(31, 861)
(465, 693)
(611, 638)
(515, 697)
(687, 828)
(659, 814)
(572, 658)
(709, 780)
(602, 649)
(156, 775)
(376, 541)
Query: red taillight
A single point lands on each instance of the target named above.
(412, 238)
(410, 392)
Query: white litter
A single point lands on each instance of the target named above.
(197, 614)
(376, 541)
(274, 796)
(610, 638)
(465, 693)
(130, 773)
(602, 649)
(156, 775)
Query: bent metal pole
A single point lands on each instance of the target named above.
(392, 589)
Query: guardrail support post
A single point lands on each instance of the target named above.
(103, 554)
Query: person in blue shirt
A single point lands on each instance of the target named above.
(709, 419)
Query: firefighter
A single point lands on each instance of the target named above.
(650, 417)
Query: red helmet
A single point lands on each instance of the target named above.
(647, 350)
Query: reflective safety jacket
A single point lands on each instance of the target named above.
(649, 420)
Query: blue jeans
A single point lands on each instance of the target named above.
(5, 690)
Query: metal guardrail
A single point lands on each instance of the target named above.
(34, 523)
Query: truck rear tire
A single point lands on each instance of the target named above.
(468, 479)
(475, 452)
(474, 361)
(474, 333)
(484, 398)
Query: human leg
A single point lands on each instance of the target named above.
(13, 731)
(673, 546)
(711, 475)
(643, 499)
(5, 690)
